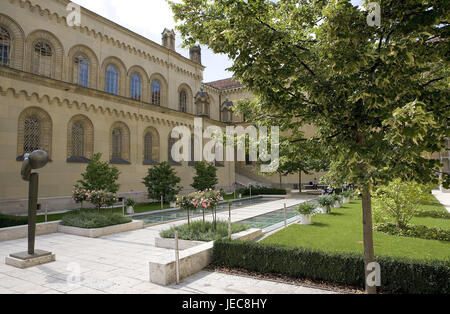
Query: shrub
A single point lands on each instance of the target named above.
(336, 198)
(12, 221)
(199, 231)
(306, 208)
(131, 202)
(97, 198)
(399, 202)
(397, 275)
(99, 176)
(93, 219)
(162, 181)
(260, 190)
(422, 232)
(206, 177)
(326, 202)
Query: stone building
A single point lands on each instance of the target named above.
(77, 90)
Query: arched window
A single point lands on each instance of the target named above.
(81, 71)
(32, 135)
(77, 140)
(112, 80)
(148, 147)
(183, 101)
(43, 59)
(136, 87)
(156, 93)
(116, 143)
(5, 47)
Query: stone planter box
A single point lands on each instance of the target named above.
(170, 244)
(192, 260)
(100, 232)
(20, 232)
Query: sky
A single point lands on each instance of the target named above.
(149, 18)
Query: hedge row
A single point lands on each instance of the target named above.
(12, 221)
(260, 190)
(397, 275)
(422, 232)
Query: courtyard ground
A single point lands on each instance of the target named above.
(119, 264)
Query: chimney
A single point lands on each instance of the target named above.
(168, 39)
(195, 54)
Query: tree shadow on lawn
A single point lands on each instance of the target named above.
(319, 225)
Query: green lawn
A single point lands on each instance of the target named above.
(342, 232)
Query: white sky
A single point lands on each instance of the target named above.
(149, 18)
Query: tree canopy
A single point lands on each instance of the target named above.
(378, 96)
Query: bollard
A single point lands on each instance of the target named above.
(177, 258)
(162, 202)
(46, 214)
(123, 206)
(285, 215)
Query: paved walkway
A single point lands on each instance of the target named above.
(444, 198)
(119, 264)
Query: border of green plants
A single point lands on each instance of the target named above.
(7, 221)
(93, 219)
(398, 275)
(421, 232)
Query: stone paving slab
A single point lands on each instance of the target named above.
(118, 264)
(443, 198)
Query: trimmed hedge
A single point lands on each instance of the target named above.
(397, 275)
(12, 221)
(260, 190)
(421, 232)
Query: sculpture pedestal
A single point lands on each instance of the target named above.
(24, 260)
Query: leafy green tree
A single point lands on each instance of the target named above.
(206, 176)
(99, 176)
(378, 96)
(162, 180)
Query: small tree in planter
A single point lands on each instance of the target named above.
(101, 198)
(161, 181)
(337, 200)
(306, 211)
(346, 196)
(325, 203)
(130, 206)
(79, 196)
(209, 200)
(188, 202)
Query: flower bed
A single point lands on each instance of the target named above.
(203, 231)
(93, 219)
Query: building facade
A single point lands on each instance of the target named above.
(75, 91)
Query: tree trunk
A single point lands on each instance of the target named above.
(369, 254)
(281, 180)
(300, 181)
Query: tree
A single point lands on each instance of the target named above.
(301, 158)
(377, 95)
(206, 177)
(162, 180)
(99, 176)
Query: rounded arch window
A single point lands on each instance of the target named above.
(5, 46)
(43, 59)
